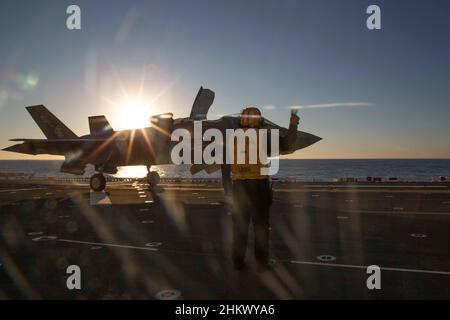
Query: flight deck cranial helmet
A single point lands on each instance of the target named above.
(251, 118)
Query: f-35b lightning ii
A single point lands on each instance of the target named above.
(107, 149)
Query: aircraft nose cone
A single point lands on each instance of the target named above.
(14, 148)
(315, 139)
(20, 148)
(305, 139)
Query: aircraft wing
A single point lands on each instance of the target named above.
(53, 146)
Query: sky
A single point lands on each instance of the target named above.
(370, 93)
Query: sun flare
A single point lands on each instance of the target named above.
(135, 114)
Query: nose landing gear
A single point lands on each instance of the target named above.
(97, 182)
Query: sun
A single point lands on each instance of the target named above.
(135, 114)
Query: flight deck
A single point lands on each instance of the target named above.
(175, 242)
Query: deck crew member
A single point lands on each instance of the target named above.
(252, 195)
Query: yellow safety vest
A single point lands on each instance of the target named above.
(247, 170)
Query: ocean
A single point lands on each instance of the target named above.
(306, 170)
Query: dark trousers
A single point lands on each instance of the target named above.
(251, 201)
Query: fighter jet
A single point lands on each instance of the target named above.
(107, 149)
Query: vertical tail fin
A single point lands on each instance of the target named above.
(202, 103)
(99, 125)
(50, 125)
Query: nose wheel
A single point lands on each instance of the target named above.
(97, 182)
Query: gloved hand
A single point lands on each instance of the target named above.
(295, 119)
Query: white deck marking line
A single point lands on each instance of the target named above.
(108, 245)
(338, 265)
(398, 212)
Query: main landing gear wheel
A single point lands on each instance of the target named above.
(98, 182)
(153, 179)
